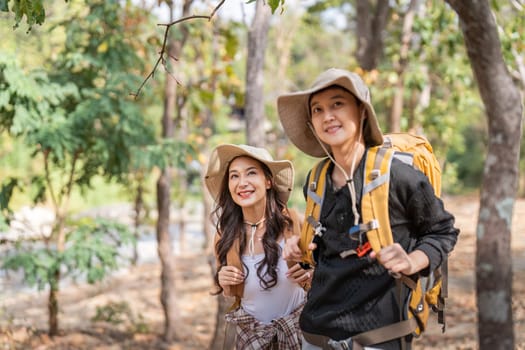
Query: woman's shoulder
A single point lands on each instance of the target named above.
(409, 182)
(405, 173)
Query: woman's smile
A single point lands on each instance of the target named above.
(332, 129)
(245, 193)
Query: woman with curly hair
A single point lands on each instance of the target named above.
(251, 191)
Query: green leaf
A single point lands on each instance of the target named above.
(274, 4)
(6, 192)
(32, 9)
(39, 266)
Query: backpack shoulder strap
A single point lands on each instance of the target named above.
(421, 153)
(374, 200)
(375, 214)
(314, 200)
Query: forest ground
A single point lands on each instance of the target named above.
(23, 317)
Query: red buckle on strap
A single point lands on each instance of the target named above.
(362, 250)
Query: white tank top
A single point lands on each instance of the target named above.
(276, 302)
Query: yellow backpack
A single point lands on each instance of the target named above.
(426, 293)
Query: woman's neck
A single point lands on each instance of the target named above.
(253, 215)
(348, 157)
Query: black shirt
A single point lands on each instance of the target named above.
(352, 295)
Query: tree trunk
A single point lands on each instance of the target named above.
(400, 66)
(182, 176)
(164, 247)
(138, 208)
(371, 24)
(52, 306)
(54, 285)
(254, 103)
(168, 297)
(504, 111)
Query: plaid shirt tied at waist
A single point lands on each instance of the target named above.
(282, 333)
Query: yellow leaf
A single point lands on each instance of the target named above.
(103, 47)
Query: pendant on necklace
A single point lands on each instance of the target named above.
(251, 243)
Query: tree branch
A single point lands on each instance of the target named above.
(163, 52)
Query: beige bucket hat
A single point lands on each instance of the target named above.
(294, 111)
(222, 155)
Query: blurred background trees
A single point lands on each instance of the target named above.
(73, 136)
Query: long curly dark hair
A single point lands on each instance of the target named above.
(230, 225)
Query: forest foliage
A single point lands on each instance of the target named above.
(440, 100)
(70, 125)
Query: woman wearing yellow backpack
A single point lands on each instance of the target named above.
(354, 297)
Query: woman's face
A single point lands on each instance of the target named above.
(335, 116)
(247, 182)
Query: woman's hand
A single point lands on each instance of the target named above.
(291, 251)
(396, 260)
(299, 275)
(230, 276)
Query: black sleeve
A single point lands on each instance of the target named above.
(429, 224)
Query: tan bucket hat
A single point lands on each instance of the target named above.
(222, 155)
(294, 111)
